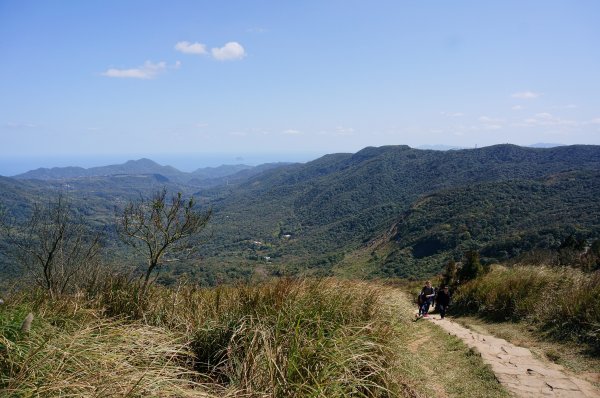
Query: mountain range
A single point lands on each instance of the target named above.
(335, 206)
(385, 211)
(201, 176)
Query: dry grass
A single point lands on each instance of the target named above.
(560, 302)
(285, 338)
(288, 338)
(101, 358)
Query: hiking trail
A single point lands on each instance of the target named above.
(517, 369)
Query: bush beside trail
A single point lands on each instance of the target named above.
(561, 301)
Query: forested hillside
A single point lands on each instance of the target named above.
(315, 214)
(383, 211)
(501, 220)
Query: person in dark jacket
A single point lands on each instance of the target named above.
(443, 300)
(434, 301)
(428, 295)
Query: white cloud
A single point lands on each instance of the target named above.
(595, 121)
(17, 125)
(291, 132)
(491, 126)
(238, 133)
(260, 130)
(569, 106)
(526, 95)
(229, 52)
(452, 114)
(485, 119)
(517, 108)
(147, 71)
(340, 130)
(190, 48)
(547, 119)
(487, 123)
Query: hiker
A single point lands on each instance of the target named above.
(443, 300)
(420, 300)
(434, 300)
(427, 294)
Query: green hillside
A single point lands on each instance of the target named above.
(500, 219)
(383, 211)
(338, 203)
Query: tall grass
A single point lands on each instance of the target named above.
(103, 358)
(560, 300)
(286, 338)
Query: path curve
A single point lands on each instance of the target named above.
(517, 369)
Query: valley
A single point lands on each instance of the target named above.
(382, 212)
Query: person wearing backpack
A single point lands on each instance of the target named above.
(427, 294)
(420, 299)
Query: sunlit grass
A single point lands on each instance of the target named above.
(559, 300)
(280, 339)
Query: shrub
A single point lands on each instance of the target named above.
(560, 300)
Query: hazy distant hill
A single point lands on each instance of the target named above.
(220, 171)
(209, 176)
(229, 174)
(439, 147)
(545, 145)
(141, 166)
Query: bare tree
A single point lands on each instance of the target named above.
(160, 226)
(57, 248)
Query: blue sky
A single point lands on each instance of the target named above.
(122, 78)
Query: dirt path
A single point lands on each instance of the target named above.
(517, 369)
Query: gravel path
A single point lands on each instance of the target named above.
(517, 369)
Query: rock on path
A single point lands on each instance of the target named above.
(517, 369)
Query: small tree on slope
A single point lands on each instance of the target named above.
(161, 225)
(55, 246)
